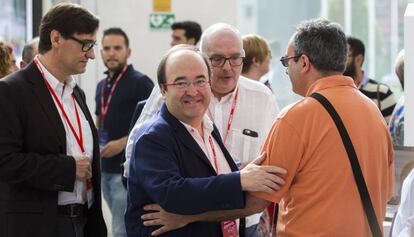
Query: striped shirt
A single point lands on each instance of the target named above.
(381, 95)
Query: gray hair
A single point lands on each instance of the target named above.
(324, 43)
(28, 50)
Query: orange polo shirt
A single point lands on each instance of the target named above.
(320, 197)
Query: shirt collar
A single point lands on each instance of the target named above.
(364, 80)
(207, 125)
(227, 98)
(56, 85)
(330, 81)
(116, 73)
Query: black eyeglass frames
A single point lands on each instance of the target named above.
(86, 44)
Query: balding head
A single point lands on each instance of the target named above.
(29, 52)
(223, 44)
(212, 33)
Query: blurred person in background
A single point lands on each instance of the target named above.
(396, 124)
(30, 50)
(116, 97)
(257, 60)
(7, 60)
(185, 32)
(378, 92)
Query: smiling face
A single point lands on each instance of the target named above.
(186, 104)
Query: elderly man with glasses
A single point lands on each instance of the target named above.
(243, 110)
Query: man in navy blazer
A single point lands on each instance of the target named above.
(180, 161)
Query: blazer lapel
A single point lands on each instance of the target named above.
(46, 102)
(81, 102)
(184, 136)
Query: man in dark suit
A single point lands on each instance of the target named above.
(49, 153)
(180, 161)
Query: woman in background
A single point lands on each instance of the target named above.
(7, 60)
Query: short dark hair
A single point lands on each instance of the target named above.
(324, 43)
(356, 46)
(67, 19)
(192, 29)
(116, 31)
(161, 74)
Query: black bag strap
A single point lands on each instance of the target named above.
(359, 178)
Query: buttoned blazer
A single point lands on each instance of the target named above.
(34, 166)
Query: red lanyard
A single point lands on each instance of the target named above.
(79, 138)
(233, 107)
(104, 107)
(210, 140)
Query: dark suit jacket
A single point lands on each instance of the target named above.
(169, 168)
(34, 166)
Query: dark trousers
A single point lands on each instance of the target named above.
(70, 226)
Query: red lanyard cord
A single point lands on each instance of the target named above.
(105, 106)
(79, 138)
(210, 140)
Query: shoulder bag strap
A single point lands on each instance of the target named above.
(359, 178)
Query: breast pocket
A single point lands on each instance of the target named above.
(244, 148)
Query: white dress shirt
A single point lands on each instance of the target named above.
(255, 111)
(64, 93)
(203, 142)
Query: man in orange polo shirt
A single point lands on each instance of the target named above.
(320, 195)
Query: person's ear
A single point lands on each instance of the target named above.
(305, 63)
(359, 59)
(55, 38)
(191, 41)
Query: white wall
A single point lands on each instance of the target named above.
(147, 45)
(409, 75)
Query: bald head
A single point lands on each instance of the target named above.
(217, 31)
(222, 43)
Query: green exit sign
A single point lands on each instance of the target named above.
(161, 20)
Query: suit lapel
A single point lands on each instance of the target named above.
(81, 102)
(184, 136)
(46, 102)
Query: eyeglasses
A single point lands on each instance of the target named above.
(185, 84)
(285, 60)
(86, 44)
(219, 61)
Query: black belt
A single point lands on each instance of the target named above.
(73, 210)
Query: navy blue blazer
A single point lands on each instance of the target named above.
(169, 168)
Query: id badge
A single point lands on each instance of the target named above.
(103, 138)
(229, 228)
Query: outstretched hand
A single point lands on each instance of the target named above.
(261, 178)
